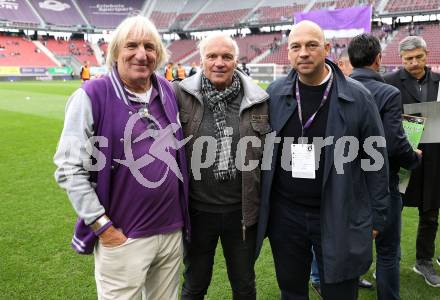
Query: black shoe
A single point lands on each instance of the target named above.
(363, 283)
(317, 288)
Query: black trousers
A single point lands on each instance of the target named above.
(292, 233)
(426, 232)
(206, 229)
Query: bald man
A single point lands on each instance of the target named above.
(316, 196)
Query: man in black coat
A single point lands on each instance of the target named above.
(418, 84)
(365, 56)
(337, 205)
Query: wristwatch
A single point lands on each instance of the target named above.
(100, 223)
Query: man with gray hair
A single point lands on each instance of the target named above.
(131, 212)
(417, 84)
(220, 107)
(343, 62)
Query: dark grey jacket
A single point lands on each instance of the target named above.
(254, 121)
(388, 101)
(352, 203)
(423, 189)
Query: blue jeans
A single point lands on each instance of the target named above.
(292, 232)
(198, 256)
(388, 252)
(314, 271)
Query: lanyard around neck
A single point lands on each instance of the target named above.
(312, 117)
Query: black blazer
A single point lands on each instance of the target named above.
(389, 103)
(423, 188)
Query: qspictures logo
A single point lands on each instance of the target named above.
(161, 141)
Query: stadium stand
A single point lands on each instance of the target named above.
(188, 11)
(227, 13)
(412, 5)
(276, 11)
(59, 13)
(333, 4)
(165, 13)
(78, 48)
(277, 56)
(180, 49)
(256, 44)
(188, 16)
(17, 51)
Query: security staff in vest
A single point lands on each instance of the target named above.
(169, 72)
(181, 73)
(417, 84)
(221, 104)
(134, 204)
(85, 71)
(306, 202)
(365, 56)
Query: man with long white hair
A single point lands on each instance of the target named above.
(132, 203)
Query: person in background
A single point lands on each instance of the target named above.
(245, 69)
(222, 103)
(169, 72)
(343, 62)
(193, 69)
(418, 84)
(365, 56)
(181, 73)
(131, 219)
(85, 72)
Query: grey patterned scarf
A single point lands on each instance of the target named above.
(217, 101)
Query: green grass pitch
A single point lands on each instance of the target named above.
(36, 219)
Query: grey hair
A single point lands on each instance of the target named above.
(412, 42)
(136, 27)
(203, 43)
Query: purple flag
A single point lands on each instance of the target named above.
(344, 22)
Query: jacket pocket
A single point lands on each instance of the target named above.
(260, 124)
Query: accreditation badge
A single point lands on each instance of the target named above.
(303, 161)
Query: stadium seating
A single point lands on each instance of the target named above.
(219, 14)
(253, 45)
(165, 12)
(188, 11)
(278, 56)
(325, 4)
(17, 51)
(78, 48)
(276, 11)
(412, 5)
(197, 15)
(180, 49)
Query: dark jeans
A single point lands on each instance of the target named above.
(428, 224)
(388, 253)
(206, 229)
(292, 233)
